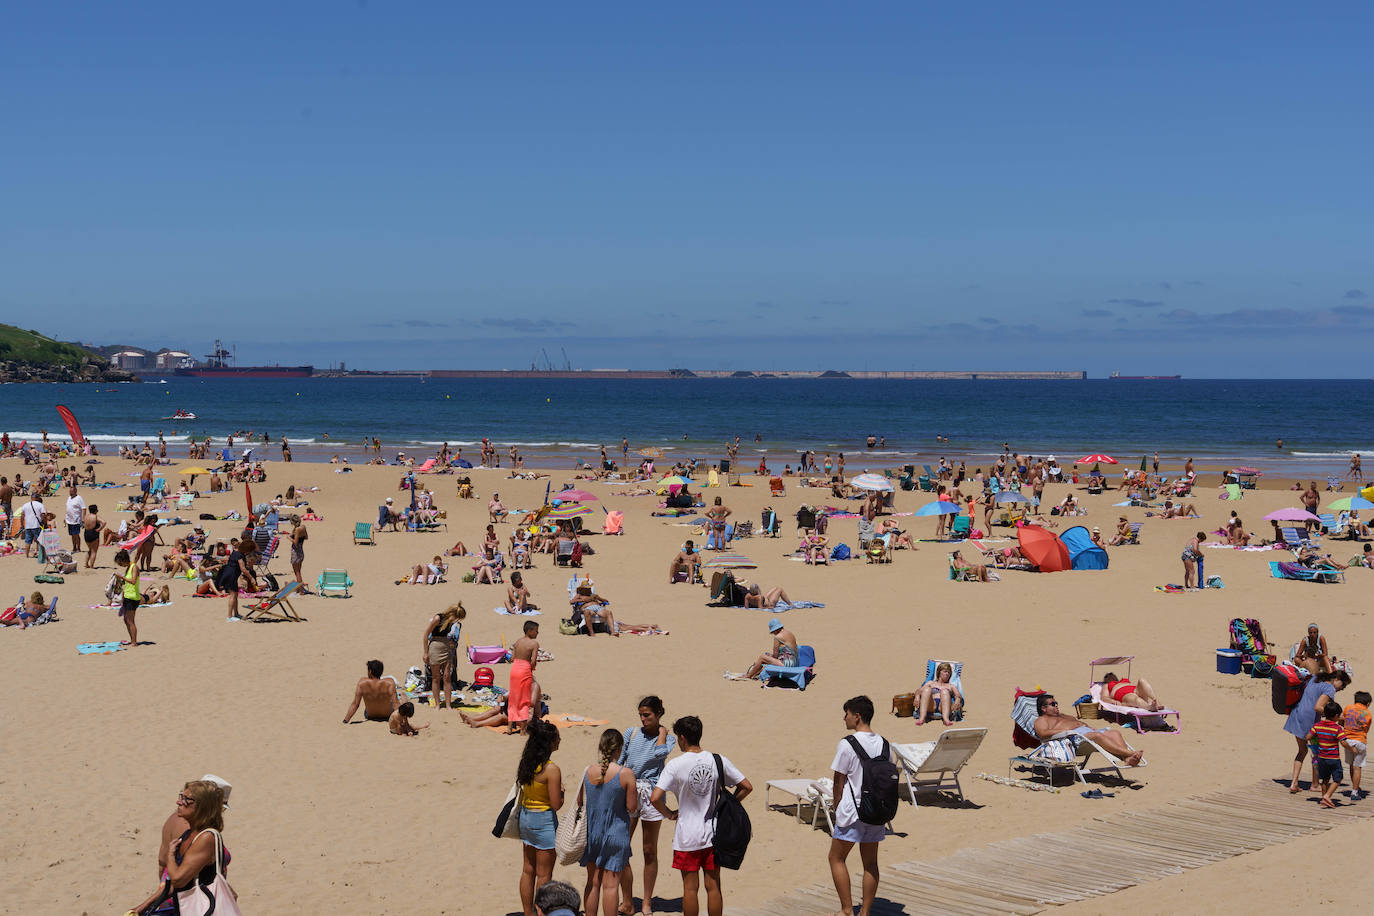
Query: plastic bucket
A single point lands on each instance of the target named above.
(1228, 661)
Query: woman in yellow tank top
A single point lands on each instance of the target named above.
(542, 783)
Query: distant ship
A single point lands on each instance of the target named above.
(219, 365)
(1149, 378)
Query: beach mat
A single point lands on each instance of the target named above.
(100, 648)
(505, 613)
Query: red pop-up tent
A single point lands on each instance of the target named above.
(1043, 548)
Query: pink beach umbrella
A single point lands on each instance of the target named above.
(1097, 459)
(575, 496)
(1291, 515)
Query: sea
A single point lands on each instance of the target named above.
(556, 422)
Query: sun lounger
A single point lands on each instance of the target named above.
(334, 580)
(956, 678)
(1058, 752)
(1247, 636)
(805, 792)
(934, 765)
(185, 500)
(799, 675)
(362, 533)
(1297, 571)
(1232, 491)
(1295, 540)
(1144, 719)
(278, 605)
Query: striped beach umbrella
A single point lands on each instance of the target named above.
(568, 510)
(730, 561)
(1347, 503)
(1097, 459)
(871, 482)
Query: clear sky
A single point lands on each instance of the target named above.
(1184, 188)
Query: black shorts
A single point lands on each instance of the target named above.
(1329, 770)
(129, 604)
(73, 530)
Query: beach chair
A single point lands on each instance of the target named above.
(567, 555)
(1247, 637)
(991, 555)
(962, 526)
(1158, 720)
(268, 552)
(59, 562)
(934, 766)
(334, 580)
(1333, 482)
(1059, 752)
(806, 792)
(615, 522)
(1295, 540)
(925, 483)
(878, 551)
(362, 533)
(959, 573)
(1232, 491)
(798, 675)
(956, 678)
(277, 606)
(776, 487)
(907, 481)
(159, 488)
(185, 500)
(1300, 573)
(929, 473)
(768, 523)
(1329, 524)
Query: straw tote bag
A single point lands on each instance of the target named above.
(571, 838)
(218, 898)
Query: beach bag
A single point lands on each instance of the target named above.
(272, 584)
(733, 831)
(1261, 667)
(207, 516)
(416, 680)
(114, 589)
(570, 840)
(218, 898)
(1287, 686)
(877, 803)
(508, 820)
(841, 552)
(567, 627)
(486, 655)
(904, 705)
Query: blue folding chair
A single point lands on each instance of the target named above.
(799, 674)
(956, 678)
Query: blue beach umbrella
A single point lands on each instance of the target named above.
(1011, 496)
(939, 507)
(1343, 504)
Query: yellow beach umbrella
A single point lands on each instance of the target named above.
(193, 471)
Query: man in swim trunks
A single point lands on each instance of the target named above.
(376, 694)
(1052, 724)
(1123, 693)
(688, 561)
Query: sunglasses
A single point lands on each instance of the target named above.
(184, 799)
(1051, 702)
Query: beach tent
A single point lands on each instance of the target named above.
(1041, 547)
(1083, 553)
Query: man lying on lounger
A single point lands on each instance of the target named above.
(1051, 723)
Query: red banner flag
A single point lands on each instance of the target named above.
(73, 428)
(248, 498)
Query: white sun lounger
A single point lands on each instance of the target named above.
(1144, 718)
(813, 792)
(935, 765)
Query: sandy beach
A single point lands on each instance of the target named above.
(333, 818)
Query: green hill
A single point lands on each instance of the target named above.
(22, 346)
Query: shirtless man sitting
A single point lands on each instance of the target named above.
(593, 610)
(784, 651)
(518, 596)
(688, 561)
(376, 694)
(1052, 724)
(495, 510)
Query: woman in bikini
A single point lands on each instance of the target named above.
(91, 527)
(951, 700)
(1123, 693)
(1312, 653)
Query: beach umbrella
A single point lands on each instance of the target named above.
(1142, 462)
(1043, 548)
(1097, 459)
(651, 452)
(568, 510)
(1291, 515)
(1346, 503)
(192, 472)
(576, 496)
(939, 507)
(871, 482)
(1011, 496)
(675, 480)
(730, 561)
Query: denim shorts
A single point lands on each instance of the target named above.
(1329, 771)
(859, 832)
(31, 534)
(537, 828)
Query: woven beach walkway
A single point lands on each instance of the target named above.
(1009, 876)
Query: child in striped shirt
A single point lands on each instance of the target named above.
(1325, 738)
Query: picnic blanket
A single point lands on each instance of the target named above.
(532, 612)
(789, 605)
(100, 648)
(562, 720)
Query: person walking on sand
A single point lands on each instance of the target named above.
(692, 778)
(848, 781)
(299, 534)
(1355, 473)
(525, 657)
(1191, 554)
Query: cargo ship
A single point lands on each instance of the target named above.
(223, 364)
(1146, 378)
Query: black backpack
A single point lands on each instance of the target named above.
(877, 803)
(733, 829)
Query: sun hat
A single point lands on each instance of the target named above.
(774, 625)
(389, 499)
(223, 784)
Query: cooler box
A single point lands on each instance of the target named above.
(1228, 661)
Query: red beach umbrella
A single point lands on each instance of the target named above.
(1097, 459)
(1043, 548)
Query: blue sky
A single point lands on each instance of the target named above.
(1179, 189)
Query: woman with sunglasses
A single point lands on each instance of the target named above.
(190, 858)
(645, 751)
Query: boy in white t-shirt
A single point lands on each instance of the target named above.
(848, 779)
(692, 778)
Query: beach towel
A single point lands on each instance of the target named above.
(789, 605)
(521, 689)
(1171, 588)
(100, 648)
(138, 538)
(505, 613)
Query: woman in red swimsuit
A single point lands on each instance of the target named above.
(1123, 693)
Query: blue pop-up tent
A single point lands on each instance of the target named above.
(1083, 553)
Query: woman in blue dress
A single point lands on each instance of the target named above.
(610, 794)
(1320, 690)
(646, 750)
